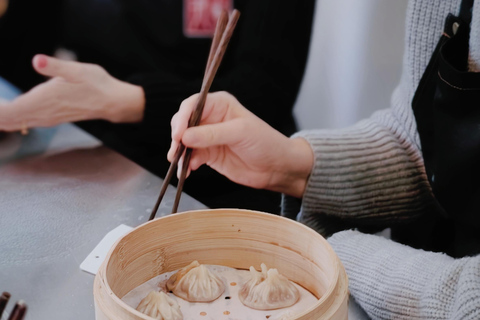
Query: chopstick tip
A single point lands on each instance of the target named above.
(6, 294)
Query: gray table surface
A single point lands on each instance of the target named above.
(61, 192)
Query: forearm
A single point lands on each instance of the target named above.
(390, 280)
(368, 173)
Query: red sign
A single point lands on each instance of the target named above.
(200, 16)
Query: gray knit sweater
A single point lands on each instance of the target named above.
(373, 172)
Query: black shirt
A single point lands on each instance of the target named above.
(142, 42)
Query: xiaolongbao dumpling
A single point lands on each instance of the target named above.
(268, 290)
(195, 283)
(160, 306)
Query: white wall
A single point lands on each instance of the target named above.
(354, 61)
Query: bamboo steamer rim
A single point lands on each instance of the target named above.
(339, 281)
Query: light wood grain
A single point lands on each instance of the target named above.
(233, 238)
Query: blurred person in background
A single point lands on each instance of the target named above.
(378, 172)
(137, 60)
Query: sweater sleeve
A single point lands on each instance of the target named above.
(370, 174)
(393, 281)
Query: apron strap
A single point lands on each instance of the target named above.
(466, 11)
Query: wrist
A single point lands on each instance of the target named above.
(295, 169)
(126, 103)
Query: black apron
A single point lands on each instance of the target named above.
(447, 112)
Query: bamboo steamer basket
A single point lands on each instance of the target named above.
(228, 237)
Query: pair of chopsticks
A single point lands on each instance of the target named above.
(222, 35)
(18, 312)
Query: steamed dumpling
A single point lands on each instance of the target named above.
(195, 283)
(160, 306)
(268, 290)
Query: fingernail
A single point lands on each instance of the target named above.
(41, 61)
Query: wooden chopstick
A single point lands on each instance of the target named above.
(197, 115)
(3, 302)
(19, 311)
(219, 30)
(217, 36)
(222, 35)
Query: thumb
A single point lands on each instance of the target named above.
(53, 67)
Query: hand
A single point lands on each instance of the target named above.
(3, 7)
(76, 91)
(241, 146)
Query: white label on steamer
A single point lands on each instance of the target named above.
(95, 259)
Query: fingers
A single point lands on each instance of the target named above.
(180, 168)
(198, 158)
(210, 135)
(179, 122)
(219, 107)
(218, 125)
(53, 67)
(172, 150)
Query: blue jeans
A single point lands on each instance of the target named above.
(7, 90)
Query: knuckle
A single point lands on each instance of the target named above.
(183, 105)
(89, 70)
(96, 68)
(226, 94)
(188, 103)
(174, 121)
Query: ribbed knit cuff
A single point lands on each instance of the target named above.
(393, 281)
(364, 172)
